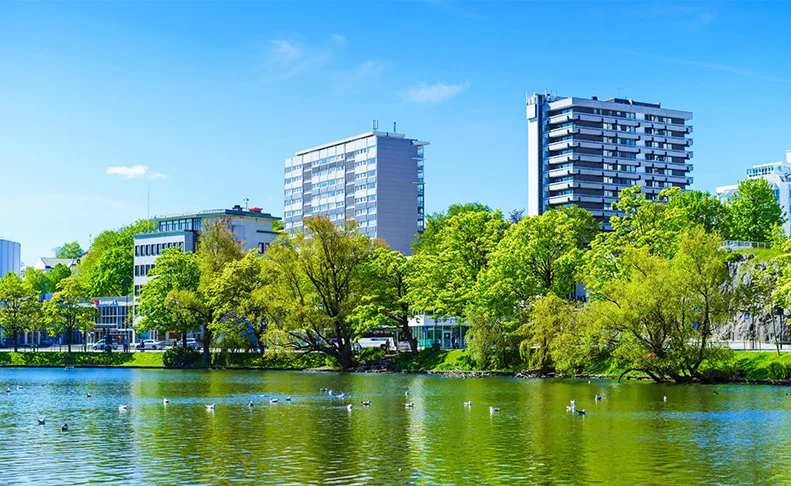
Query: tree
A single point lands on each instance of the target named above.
(550, 317)
(175, 275)
(19, 306)
(449, 261)
(317, 283)
(39, 281)
(71, 250)
(754, 213)
(702, 209)
(58, 273)
(424, 242)
(68, 310)
(108, 267)
(239, 296)
(386, 301)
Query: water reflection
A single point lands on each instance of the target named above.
(631, 436)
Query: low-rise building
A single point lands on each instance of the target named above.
(778, 174)
(448, 332)
(46, 264)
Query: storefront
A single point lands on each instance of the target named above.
(447, 333)
(113, 320)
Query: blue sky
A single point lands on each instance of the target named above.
(201, 102)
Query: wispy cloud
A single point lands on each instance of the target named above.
(434, 93)
(712, 66)
(127, 171)
(133, 172)
(361, 74)
(287, 59)
(340, 40)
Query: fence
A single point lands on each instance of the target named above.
(745, 245)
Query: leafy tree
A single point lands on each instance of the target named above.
(317, 283)
(426, 241)
(175, 275)
(278, 225)
(239, 296)
(108, 267)
(19, 306)
(550, 317)
(449, 261)
(386, 302)
(754, 213)
(39, 281)
(58, 273)
(71, 250)
(68, 310)
(755, 293)
(700, 208)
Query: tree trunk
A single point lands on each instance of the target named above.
(346, 358)
(184, 340)
(16, 341)
(68, 338)
(206, 345)
(407, 332)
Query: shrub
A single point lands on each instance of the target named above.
(778, 370)
(179, 357)
(370, 354)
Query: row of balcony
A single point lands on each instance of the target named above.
(567, 117)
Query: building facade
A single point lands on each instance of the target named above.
(778, 174)
(375, 179)
(46, 264)
(583, 151)
(249, 225)
(10, 257)
(446, 333)
(113, 320)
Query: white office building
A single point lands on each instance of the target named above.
(778, 174)
(10, 257)
(584, 151)
(46, 264)
(375, 179)
(250, 225)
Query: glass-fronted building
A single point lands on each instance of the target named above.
(448, 333)
(375, 179)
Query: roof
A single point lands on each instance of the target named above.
(356, 137)
(51, 262)
(208, 213)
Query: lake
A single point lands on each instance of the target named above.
(738, 435)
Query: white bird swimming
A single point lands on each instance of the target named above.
(18, 387)
(494, 409)
(329, 393)
(41, 421)
(288, 398)
(274, 400)
(8, 390)
(341, 395)
(349, 406)
(365, 403)
(65, 428)
(664, 399)
(250, 404)
(165, 401)
(88, 395)
(210, 408)
(468, 404)
(406, 393)
(123, 408)
(409, 405)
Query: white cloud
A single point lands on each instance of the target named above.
(286, 59)
(360, 75)
(285, 51)
(339, 39)
(434, 93)
(127, 171)
(157, 175)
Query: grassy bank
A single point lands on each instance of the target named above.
(279, 361)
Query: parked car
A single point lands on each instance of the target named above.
(191, 343)
(375, 342)
(102, 345)
(150, 344)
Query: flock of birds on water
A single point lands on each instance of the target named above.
(572, 407)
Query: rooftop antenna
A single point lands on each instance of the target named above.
(375, 125)
(247, 202)
(394, 127)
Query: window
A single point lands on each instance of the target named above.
(372, 185)
(261, 248)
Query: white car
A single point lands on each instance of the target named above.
(149, 344)
(375, 342)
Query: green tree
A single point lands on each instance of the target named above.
(19, 306)
(754, 213)
(108, 267)
(436, 222)
(449, 261)
(175, 275)
(386, 301)
(71, 250)
(317, 284)
(39, 281)
(68, 309)
(550, 317)
(701, 209)
(58, 273)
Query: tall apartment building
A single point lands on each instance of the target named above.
(778, 174)
(585, 151)
(10, 257)
(249, 225)
(375, 179)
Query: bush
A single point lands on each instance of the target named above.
(179, 357)
(370, 354)
(778, 370)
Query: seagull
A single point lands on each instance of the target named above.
(274, 400)
(349, 407)
(406, 393)
(341, 395)
(288, 398)
(18, 387)
(323, 390)
(8, 390)
(88, 395)
(598, 397)
(468, 404)
(572, 407)
(123, 408)
(581, 412)
(716, 392)
(210, 408)
(409, 405)
(41, 421)
(329, 393)
(494, 409)
(165, 401)
(65, 428)
(365, 403)
(664, 399)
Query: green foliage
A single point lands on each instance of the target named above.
(441, 360)
(71, 250)
(108, 267)
(19, 306)
(56, 359)
(58, 273)
(68, 309)
(180, 357)
(754, 214)
(39, 281)
(272, 360)
(370, 354)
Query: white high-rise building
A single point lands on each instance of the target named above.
(778, 174)
(583, 151)
(10, 257)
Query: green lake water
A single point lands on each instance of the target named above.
(741, 435)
